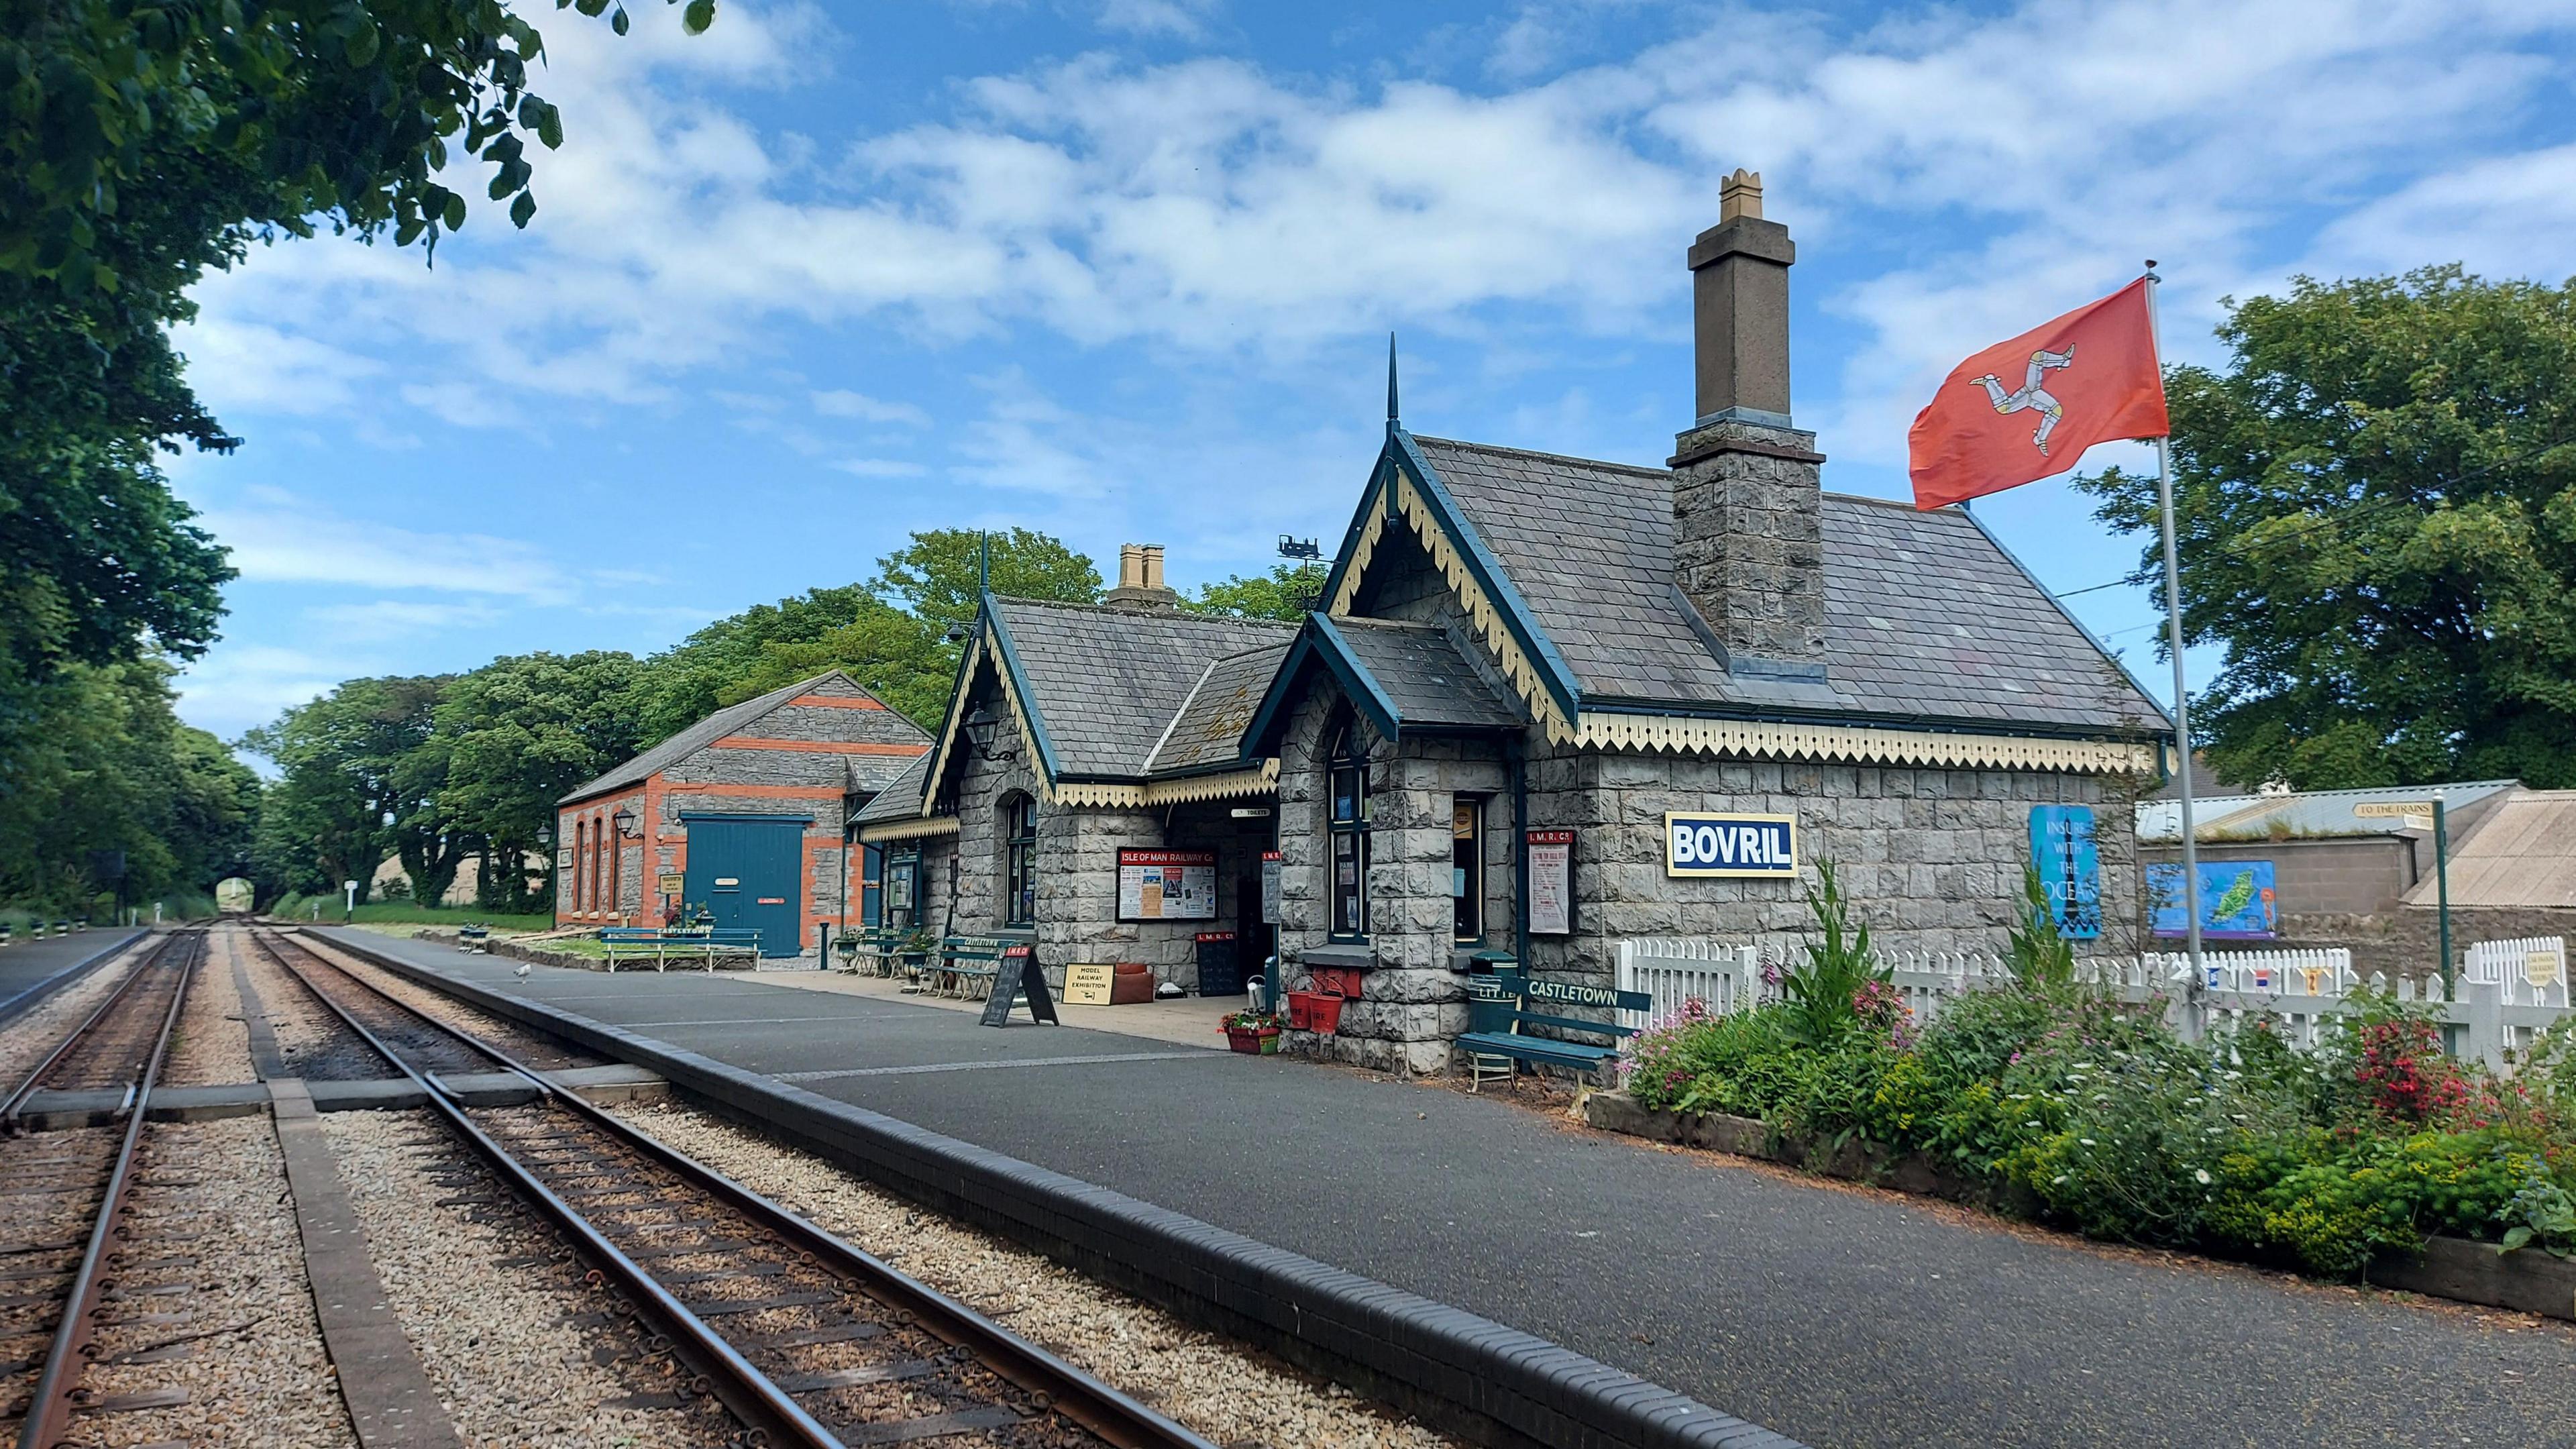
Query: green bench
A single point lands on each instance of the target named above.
(966, 966)
(869, 952)
(1496, 1025)
(708, 945)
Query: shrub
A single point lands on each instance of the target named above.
(1820, 993)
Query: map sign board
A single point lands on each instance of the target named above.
(2237, 901)
(1167, 885)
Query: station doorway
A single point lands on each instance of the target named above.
(749, 872)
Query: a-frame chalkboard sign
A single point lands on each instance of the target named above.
(1017, 975)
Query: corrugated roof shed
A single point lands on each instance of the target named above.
(2304, 813)
(1925, 615)
(2522, 854)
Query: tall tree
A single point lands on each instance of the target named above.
(900, 659)
(690, 680)
(2377, 505)
(520, 732)
(934, 577)
(359, 776)
(1289, 591)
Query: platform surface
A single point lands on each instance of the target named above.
(1834, 1315)
(27, 966)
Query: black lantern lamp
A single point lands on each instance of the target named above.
(982, 727)
(545, 835)
(624, 820)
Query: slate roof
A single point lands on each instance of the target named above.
(1420, 670)
(1208, 731)
(1926, 616)
(1106, 681)
(900, 799)
(696, 737)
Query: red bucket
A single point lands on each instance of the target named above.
(1314, 1011)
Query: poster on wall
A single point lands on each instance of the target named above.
(2070, 869)
(1551, 881)
(1724, 843)
(2236, 900)
(1167, 885)
(1272, 865)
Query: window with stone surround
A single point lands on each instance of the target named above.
(1349, 828)
(1019, 861)
(580, 864)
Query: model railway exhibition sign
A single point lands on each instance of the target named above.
(1727, 844)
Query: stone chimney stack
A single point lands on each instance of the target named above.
(1140, 579)
(1747, 542)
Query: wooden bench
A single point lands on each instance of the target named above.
(709, 944)
(967, 966)
(473, 937)
(1496, 1025)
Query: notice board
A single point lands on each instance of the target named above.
(1167, 885)
(1551, 881)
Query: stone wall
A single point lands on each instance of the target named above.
(1748, 542)
(2406, 942)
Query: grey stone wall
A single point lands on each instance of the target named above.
(1748, 541)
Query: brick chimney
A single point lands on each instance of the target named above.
(1140, 579)
(1748, 551)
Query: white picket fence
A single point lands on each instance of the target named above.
(2508, 991)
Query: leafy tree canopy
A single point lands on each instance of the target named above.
(894, 656)
(933, 578)
(2377, 517)
(1289, 591)
(359, 777)
(522, 732)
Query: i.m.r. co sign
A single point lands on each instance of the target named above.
(1725, 843)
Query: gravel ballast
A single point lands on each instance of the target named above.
(211, 1046)
(211, 1238)
(498, 1313)
(24, 1042)
(1223, 1391)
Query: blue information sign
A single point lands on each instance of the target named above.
(2061, 850)
(2236, 900)
(1726, 843)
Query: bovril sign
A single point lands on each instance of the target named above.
(1727, 843)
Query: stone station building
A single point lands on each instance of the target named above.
(1523, 668)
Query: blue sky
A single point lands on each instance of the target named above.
(1123, 270)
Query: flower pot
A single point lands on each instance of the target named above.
(1315, 1011)
(1253, 1043)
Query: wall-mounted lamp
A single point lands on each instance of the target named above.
(981, 728)
(545, 835)
(624, 820)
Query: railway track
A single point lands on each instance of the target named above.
(63, 1200)
(808, 1340)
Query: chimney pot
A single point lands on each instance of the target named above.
(1140, 579)
(1739, 195)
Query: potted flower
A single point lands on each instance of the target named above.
(1252, 1032)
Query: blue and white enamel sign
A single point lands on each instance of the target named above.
(1727, 843)
(2070, 868)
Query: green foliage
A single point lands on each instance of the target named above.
(690, 680)
(893, 655)
(2035, 951)
(2109, 1123)
(2377, 503)
(1820, 993)
(360, 775)
(933, 577)
(1289, 591)
(518, 734)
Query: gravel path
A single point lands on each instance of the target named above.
(211, 1046)
(211, 1214)
(1224, 1391)
(494, 1305)
(27, 1039)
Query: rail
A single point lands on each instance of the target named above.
(760, 1401)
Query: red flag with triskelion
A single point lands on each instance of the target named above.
(2025, 409)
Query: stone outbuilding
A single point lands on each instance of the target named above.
(1547, 704)
(744, 813)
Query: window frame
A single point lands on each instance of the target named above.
(1019, 831)
(580, 865)
(1469, 901)
(1347, 829)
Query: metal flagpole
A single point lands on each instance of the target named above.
(2182, 699)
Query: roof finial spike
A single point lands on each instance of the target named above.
(983, 562)
(1391, 414)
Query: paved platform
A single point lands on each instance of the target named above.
(29, 969)
(1834, 1315)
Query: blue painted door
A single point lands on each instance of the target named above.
(749, 872)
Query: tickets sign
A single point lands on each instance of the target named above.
(1724, 843)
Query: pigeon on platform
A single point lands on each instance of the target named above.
(522, 972)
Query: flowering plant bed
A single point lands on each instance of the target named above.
(2052, 1101)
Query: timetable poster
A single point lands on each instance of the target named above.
(1167, 885)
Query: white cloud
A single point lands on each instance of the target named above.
(385, 617)
(1181, 19)
(880, 468)
(242, 685)
(840, 403)
(2506, 216)
(302, 544)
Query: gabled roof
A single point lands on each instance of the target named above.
(727, 721)
(1105, 682)
(1207, 733)
(1927, 617)
(900, 799)
(1399, 676)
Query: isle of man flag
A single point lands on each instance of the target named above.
(2028, 408)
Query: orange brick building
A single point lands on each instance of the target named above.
(743, 813)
